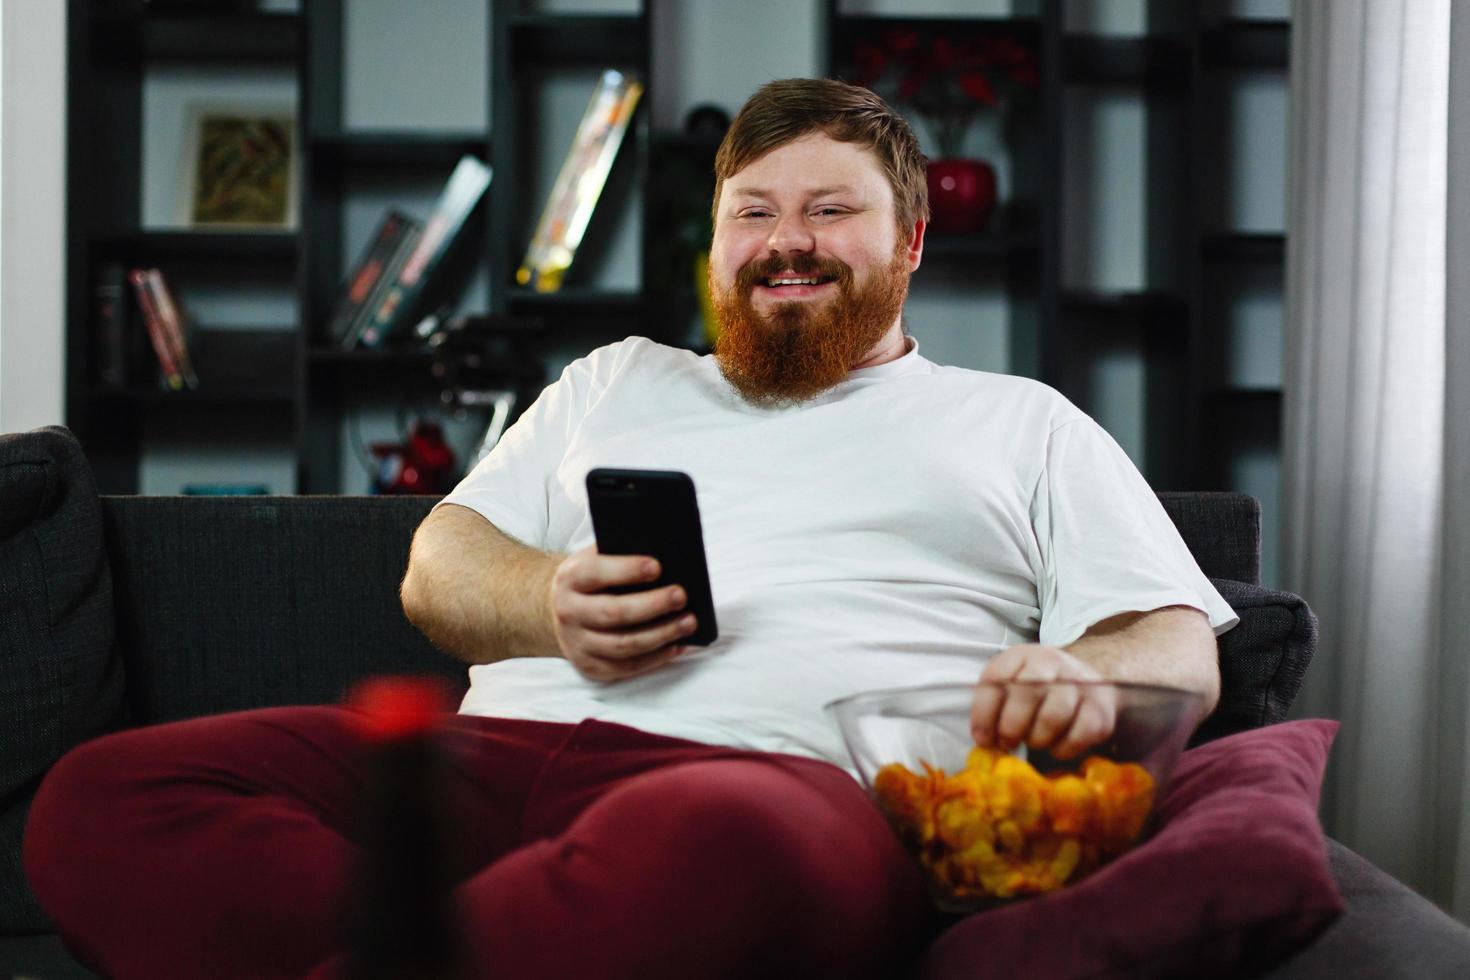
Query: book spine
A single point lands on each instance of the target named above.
(173, 323)
(366, 276)
(110, 323)
(170, 377)
(377, 324)
(392, 313)
(580, 182)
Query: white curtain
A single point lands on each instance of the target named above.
(1376, 441)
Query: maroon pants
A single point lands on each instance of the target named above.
(224, 847)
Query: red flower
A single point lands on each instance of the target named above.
(912, 83)
(945, 78)
(903, 41)
(943, 55)
(977, 86)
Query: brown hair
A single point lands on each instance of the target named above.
(784, 111)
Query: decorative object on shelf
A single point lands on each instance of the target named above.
(423, 464)
(409, 294)
(962, 195)
(948, 82)
(226, 490)
(706, 125)
(479, 359)
(240, 166)
(580, 182)
(681, 167)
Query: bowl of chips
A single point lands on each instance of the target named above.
(991, 826)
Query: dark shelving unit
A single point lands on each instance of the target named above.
(1058, 331)
(286, 373)
(293, 377)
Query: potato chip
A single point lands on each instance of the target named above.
(999, 828)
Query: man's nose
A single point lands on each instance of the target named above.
(791, 234)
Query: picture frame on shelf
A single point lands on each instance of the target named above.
(241, 167)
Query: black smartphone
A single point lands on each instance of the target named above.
(654, 512)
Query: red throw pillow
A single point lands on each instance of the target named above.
(1234, 878)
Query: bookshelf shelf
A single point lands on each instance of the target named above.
(173, 245)
(1258, 394)
(989, 245)
(866, 27)
(235, 366)
(1245, 246)
(540, 40)
(392, 149)
(578, 300)
(201, 36)
(337, 357)
(1151, 61)
(1247, 44)
(1140, 305)
(146, 396)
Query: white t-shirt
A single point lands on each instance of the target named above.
(900, 529)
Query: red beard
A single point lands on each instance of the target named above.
(801, 349)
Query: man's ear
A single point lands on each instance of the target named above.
(916, 244)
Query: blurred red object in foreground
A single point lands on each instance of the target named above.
(400, 915)
(398, 707)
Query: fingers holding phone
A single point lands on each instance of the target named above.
(610, 636)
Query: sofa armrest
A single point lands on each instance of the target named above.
(1387, 931)
(1262, 659)
(60, 679)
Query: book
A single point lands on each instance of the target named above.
(409, 290)
(580, 182)
(169, 376)
(110, 323)
(402, 251)
(175, 327)
(367, 277)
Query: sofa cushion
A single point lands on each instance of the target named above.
(1234, 878)
(227, 603)
(60, 682)
(1262, 660)
(1221, 529)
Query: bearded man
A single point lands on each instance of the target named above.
(625, 805)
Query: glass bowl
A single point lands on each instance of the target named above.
(990, 826)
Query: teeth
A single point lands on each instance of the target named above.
(793, 282)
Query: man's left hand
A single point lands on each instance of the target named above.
(1063, 719)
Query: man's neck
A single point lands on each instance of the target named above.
(893, 346)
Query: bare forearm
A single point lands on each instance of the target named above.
(476, 592)
(1174, 647)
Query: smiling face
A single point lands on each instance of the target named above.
(808, 269)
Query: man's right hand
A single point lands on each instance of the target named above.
(607, 636)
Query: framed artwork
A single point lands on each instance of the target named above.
(241, 167)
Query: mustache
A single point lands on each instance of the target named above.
(801, 265)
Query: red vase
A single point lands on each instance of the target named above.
(961, 196)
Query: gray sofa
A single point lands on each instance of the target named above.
(125, 611)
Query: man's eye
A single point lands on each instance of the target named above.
(828, 212)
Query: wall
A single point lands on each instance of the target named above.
(32, 212)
